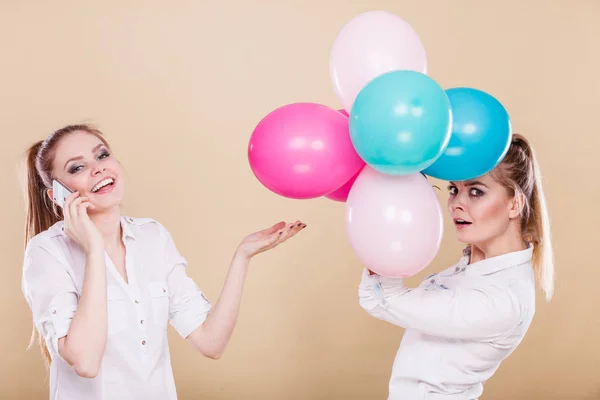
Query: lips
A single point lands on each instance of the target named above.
(460, 222)
(103, 186)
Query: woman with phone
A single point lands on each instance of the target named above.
(103, 287)
(464, 321)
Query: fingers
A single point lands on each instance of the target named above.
(289, 231)
(274, 228)
(83, 208)
(67, 205)
(78, 206)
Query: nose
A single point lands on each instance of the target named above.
(98, 170)
(455, 204)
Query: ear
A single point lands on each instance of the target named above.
(50, 193)
(517, 203)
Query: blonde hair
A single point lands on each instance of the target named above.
(519, 172)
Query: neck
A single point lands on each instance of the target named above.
(509, 242)
(109, 224)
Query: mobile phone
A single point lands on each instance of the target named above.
(60, 192)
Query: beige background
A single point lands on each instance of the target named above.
(178, 87)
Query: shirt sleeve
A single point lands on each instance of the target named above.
(50, 293)
(471, 313)
(188, 307)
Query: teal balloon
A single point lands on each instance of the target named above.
(400, 122)
(481, 136)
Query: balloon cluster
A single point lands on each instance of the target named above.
(396, 126)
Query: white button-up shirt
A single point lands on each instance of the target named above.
(460, 324)
(136, 362)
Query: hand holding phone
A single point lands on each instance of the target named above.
(77, 224)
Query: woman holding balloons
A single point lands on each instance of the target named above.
(464, 321)
(397, 126)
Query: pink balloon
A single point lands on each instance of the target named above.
(370, 45)
(303, 151)
(394, 223)
(341, 194)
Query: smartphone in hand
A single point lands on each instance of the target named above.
(60, 192)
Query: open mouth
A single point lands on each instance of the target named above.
(103, 186)
(459, 222)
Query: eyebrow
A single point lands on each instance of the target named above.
(471, 183)
(95, 149)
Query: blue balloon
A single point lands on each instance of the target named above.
(400, 122)
(480, 138)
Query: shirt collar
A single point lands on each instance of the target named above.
(126, 224)
(496, 264)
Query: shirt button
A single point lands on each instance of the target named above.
(143, 342)
(53, 311)
(432, 281)
(137, 302)
(164, 290)
(142, 322)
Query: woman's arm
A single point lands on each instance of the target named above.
(476, 313)
(83, 347)
(211, 338)
(213, 335)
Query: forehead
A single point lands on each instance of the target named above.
(486, 179)
(76, 144)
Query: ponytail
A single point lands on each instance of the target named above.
(537, 229)
(39, 217)
(519, 172)
(40, 214)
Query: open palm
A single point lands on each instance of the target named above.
(269, 238)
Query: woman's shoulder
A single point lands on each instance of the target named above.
(46, 238)
(45, 250)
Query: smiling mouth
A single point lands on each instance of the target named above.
(104, 184)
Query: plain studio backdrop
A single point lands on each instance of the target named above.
(179, 86)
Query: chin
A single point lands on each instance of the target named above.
(464, 238)
(106, 204)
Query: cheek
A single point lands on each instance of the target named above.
(76, 182)
(113, 165)
(489, 210)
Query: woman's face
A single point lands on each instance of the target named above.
(481, 209)
(83, 163)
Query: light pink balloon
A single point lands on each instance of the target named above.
(370, 45)
(394, 223)
(341, 194)
(303, 151)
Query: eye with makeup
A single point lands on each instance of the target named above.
(474, 192)
(102, 154)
